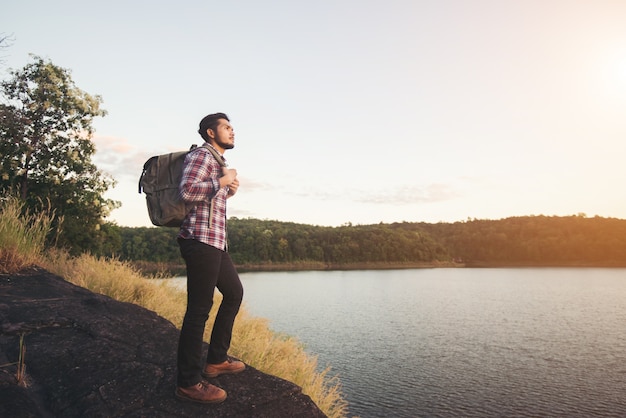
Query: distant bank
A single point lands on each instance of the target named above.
(172, 270)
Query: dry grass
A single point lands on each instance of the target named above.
(22, 235)
(285, 357)
(253, 341)
(119, 280)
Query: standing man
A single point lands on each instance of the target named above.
(206, 185)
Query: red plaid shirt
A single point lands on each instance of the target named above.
(198, 186)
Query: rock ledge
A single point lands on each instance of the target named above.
(90, 355)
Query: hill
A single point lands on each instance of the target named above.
(516, 241)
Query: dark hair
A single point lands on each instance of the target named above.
(210, 122)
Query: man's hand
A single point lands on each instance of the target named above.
(229, 179)
(232, 187)
(228, 176)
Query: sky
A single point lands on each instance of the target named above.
(355, 111)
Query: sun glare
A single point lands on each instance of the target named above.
(612, 67)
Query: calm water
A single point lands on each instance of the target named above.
(459, 342)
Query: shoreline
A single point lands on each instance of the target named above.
(158, 269)
(316, 266)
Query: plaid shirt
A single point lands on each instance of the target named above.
(199, 186)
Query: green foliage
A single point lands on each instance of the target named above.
(252, 241)
(46, 150)
(536, 240)
(531, 240)
(150, 244)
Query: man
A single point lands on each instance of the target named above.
(202, 240)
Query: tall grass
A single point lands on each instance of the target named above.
(22, 235)
(284, 356)
(22, 240)
(119, 280)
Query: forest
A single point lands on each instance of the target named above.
(516, 241)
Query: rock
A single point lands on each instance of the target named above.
(88, 355)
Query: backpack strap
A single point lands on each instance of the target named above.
(218, 157)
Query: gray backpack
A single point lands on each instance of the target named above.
(159, 180)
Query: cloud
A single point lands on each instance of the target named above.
(405, 195)
(313, 193)
(436, 192)
(253, 185)
(241, 213)
(118, 157)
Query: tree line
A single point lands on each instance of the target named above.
(530, 240)
(535, 240)
(253, 241)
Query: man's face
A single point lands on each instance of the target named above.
(224, 135)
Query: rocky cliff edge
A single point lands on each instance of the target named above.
(87, 355)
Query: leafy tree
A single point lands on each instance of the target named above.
(46, 150)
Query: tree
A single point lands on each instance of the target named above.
(46, 150)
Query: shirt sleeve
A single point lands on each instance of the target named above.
(200, 180)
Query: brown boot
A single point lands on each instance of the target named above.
(230, 366)
(203, 392)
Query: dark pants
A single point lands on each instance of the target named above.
(207, 268)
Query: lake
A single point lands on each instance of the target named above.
(522, 342)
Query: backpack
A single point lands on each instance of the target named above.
(159, 180)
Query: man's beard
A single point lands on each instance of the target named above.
(225, 145)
